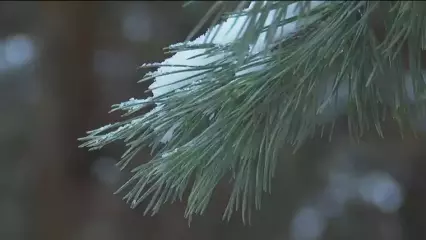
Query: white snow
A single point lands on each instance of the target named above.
(133, 104)
(169, 134)
(223, 34)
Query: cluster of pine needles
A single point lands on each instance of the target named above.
(235, 124)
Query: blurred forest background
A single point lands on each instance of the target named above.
(63, 64)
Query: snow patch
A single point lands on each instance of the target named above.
(222, 34)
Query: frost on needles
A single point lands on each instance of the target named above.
(270, 74)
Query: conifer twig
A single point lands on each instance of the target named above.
(270, 74)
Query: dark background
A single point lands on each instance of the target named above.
(63, 64)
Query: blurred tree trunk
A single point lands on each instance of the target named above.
(69, 100)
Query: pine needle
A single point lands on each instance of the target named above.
(236, 112)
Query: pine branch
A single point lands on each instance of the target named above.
(269, 75)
